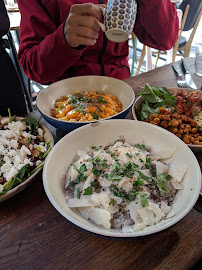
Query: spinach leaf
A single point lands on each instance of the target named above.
(33, 123)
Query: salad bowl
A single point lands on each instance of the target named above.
(173, 91)
(47, 135)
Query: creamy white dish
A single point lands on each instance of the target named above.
(122, 186)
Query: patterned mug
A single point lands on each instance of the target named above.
(119, 19)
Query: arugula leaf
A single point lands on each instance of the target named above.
(146, 110)
(150, 95)
(154, 98)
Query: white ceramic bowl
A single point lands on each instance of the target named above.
(138, 102)
(104, 132)
(115, 87)
(48, 137)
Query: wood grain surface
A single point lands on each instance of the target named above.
(33, 235)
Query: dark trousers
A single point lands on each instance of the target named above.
(11, 90)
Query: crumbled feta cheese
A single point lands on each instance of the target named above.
(40, 132)
(6, 167)
(25, 151)
(9, 175)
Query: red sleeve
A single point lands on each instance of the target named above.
(43, 44)
(157, 24)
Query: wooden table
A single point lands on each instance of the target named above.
(33, 235)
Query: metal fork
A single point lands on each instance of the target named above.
(180, 79)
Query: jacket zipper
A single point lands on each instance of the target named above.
(104, 46)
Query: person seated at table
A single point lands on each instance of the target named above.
(12, 95)
(59, 41)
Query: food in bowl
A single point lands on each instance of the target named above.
(122, 186)
(179, 113)
(23, 150)
(86, 106)
(117, 88)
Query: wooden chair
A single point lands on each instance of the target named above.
(158, 53)
(176, 46)
(184, 46)
(190, 21)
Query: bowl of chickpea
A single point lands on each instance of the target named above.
(184, 119)
(74, 102)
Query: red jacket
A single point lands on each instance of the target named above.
(46, 57)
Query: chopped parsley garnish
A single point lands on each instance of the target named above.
(148, 162)
(97, 172)
(140, 146)
(143, 199)
(161, 181)
(128, 155)
(112, 201)
(78, 193)
(81, 170)
(95, 116)
(87, 191)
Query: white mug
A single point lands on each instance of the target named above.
(119, 19)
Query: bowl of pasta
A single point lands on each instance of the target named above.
(122, 178)
(177, 110)
(74, 102)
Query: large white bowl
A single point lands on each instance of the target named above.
(138, 103)
(46, 99)
(14, 191)
(104, 132)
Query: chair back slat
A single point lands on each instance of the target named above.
(194, 10)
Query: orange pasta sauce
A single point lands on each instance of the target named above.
(86, 106)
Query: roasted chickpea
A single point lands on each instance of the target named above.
(162, 110)
(194, 130)
(179, 135)
(174, 123)
(157, 120)
(175, 130)
(181, 126)
(164, 124)
(186, 140)
(193, 123)
(186, 130)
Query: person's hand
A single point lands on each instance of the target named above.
(81, 27)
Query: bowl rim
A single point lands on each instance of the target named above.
(195, 148)
(109, 233)
(14, 191)
(86, 122)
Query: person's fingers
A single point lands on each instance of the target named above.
(87, 9)
(101, 7)
(77, 40)
(87, 32)
(79, 20)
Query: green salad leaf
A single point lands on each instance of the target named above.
(33, 123)
(154, 98)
